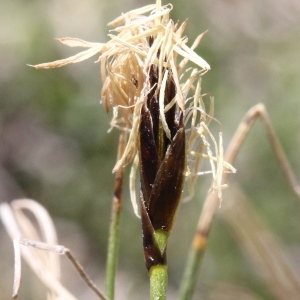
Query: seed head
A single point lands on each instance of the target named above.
(146, 43)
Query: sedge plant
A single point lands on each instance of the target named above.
(163, 119)
(160, 111)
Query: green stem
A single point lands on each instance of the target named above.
(113, 250)
(161, 238)
(158, 282)
(198, 247)
(114, 230)
(192, 270)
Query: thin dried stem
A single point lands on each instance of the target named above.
(59, 249)
(84, 275)
(256, 112)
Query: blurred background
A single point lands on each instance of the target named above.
(54, 145)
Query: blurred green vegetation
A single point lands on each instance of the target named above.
(55, 147)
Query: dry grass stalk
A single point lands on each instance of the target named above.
(211, 206)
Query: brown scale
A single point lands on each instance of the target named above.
(162, 164)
